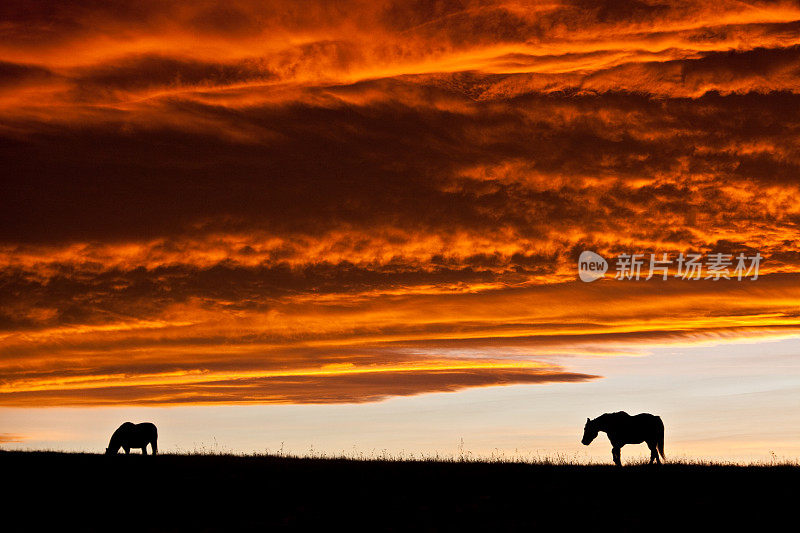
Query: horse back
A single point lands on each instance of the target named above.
(647, 426)
(627, 429)
(646, 419)
(147, 431)
(147, 427)
(135, 435)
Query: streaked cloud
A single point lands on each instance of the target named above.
(10, 438)
(215, 203)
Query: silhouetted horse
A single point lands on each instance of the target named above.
(130, 435)
(623, 429)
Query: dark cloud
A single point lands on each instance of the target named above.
(388, 163)
(302, 389)
(14, 74)
(158, 72)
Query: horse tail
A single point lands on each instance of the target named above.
(660, 443)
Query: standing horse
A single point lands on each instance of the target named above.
(623, 429)
(130, 435)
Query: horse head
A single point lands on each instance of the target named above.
(589, 432)
(113, 446)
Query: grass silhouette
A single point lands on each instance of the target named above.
(225, 492)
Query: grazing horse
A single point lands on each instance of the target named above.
(623, 429)
(130, 435)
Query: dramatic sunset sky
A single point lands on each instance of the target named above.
(355, 225)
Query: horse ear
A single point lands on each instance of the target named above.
(587, 420)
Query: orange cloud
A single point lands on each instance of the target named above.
(216, 203)
(331, 384)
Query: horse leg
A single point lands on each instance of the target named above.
(615, 453)
(653, 452)
(144, 449)
(155, 447)
(127, 450)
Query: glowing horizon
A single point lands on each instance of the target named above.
(281, 203)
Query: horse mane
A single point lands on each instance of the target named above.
(117, 435)
(121, 428)
(605, 417)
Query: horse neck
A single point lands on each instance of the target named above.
(602, 423)
(115, 443)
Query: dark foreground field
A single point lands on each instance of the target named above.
(82, 492)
